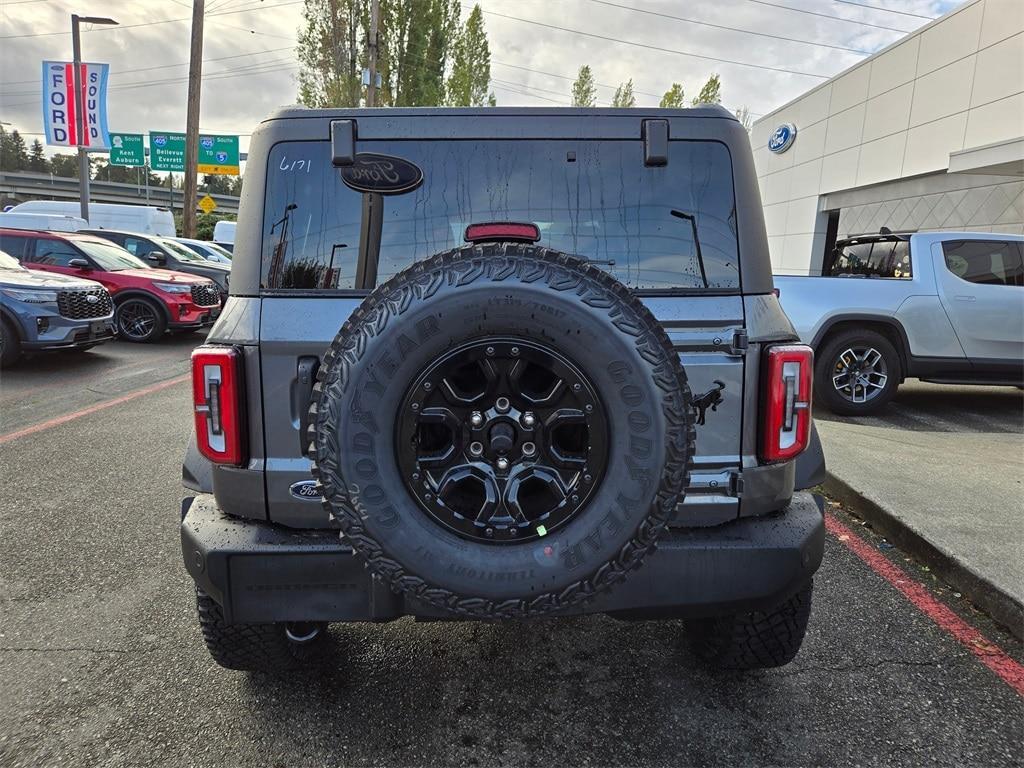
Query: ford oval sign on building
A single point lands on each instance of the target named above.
(783, 138)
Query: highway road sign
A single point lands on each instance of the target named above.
(127, 149)
(167, 151)
(218, 155)
(208, 204)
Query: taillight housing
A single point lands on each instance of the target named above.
(787, 385)
(218, 404)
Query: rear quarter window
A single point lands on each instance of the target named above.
(661, 228)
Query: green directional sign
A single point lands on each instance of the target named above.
(166, 151)
(218, 155)
(127, 149)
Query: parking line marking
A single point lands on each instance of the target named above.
(991, 655)
(92, 409)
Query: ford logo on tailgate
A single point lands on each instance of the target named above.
(305, 489)
(783, 138)
(381, 173)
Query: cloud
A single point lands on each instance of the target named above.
(239, 91)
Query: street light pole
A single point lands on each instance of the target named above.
(80, 101)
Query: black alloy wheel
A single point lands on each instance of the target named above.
(139, 320)
(502, 440)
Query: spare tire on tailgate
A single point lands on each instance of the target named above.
(502, 431)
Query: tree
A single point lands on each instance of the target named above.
(65, 166)
(471, 65)
(710, 93)
(13, 154)
(37, 162)
(236, 186)
(673, 98)
(743, 115)
(216, 185)
(416, 42)
(624, 95)
(584, 92)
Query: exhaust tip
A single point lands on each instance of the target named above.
(302, 632)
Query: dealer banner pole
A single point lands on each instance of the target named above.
(83, 155)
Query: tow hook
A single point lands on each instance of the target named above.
(710, 399)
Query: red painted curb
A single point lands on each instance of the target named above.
(992, 656)
(25, 432)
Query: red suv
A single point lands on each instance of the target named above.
(147, 301)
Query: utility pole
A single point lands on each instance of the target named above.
(371, 88)
(81, 104)
(195, 80)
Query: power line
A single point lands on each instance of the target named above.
(657, 48)
(731, 29)
(886, 10)
(829, 16)
(167, 66)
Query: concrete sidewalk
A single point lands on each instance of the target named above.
(940, 473)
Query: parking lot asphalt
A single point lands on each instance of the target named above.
(101, 660)
(944, 464)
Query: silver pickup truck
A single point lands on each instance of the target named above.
(946, 307)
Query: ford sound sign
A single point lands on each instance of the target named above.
(783, 138)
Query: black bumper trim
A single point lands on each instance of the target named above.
(259, 572)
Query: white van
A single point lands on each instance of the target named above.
(224, 234)
(147, 220)
(48, 222)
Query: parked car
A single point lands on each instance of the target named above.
(165, 253)
(51, 222)
(147, 301)
(500, 429)
(224, 235)
(946, 307)
(44, 313)
(148, 219)
(206, 249)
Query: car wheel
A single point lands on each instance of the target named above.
(757, 640)
(542, 431)
(139, 320)
(10, 345)
(271, 648)
(857, 372)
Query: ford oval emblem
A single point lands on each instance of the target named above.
(305, 489)
(783, 138)
(383, 174)
(92, 298)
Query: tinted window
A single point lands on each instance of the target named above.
(54, 253)
(986, 262)
(110, 257)
(136, 246)
(874, 258)
(594, 199)
(14, 245)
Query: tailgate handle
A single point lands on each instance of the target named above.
(305, 374)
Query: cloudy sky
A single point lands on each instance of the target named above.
(536, 48)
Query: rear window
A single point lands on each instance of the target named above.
(670, 227)
(874, 258)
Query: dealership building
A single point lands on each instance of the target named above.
(927, 134)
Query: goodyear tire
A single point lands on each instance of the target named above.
(556, 399)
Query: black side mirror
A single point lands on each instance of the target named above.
(156, 257)
(79, 263)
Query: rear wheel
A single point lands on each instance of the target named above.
(10, 344)
(139, 320)
(857, 372)
(755, 640)
(256, 647)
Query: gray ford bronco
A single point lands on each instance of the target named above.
(489, 364)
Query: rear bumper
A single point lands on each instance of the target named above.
(260, 572)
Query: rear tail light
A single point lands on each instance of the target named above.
(787, 401)
(217, 401)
